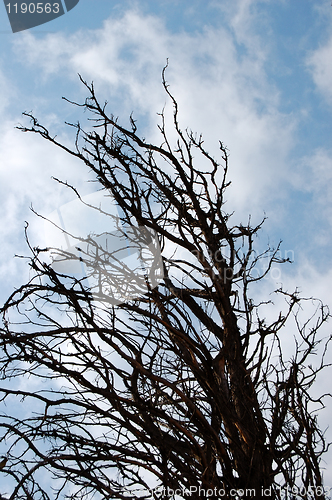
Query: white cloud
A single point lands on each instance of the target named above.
(321, 182)
(7, 92)
(319, 63)
(220, 94)
(244, 17)
(313, 176)
(27, 164)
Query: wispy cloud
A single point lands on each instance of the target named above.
(319, 63)
(221, 93)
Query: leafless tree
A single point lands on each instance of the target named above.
(183, 390)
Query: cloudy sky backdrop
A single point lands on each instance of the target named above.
(256, 74)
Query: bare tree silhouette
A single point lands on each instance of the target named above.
(182, 390)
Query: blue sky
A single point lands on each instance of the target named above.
(256, 74)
